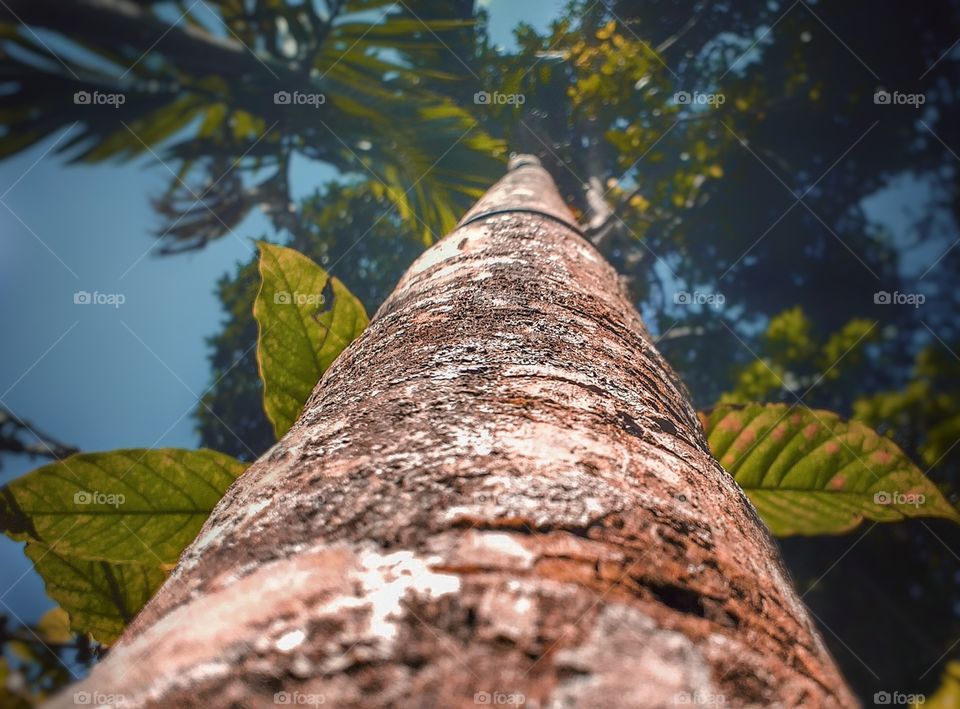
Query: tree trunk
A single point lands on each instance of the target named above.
(499, 493)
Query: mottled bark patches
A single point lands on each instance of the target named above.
(500, 487)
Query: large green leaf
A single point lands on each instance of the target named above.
(103, 529)
(305, 319)
(100, 597)
(125, 506)
(810, 472)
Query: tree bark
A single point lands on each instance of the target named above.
(499, 492)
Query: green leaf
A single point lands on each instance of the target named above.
(100, 597)
(126, 506)
(103, 529)
(810, 472)
(305, 319)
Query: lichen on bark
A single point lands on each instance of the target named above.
(499, 491)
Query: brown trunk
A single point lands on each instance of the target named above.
(499, 492)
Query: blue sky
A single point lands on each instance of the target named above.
(103, 377)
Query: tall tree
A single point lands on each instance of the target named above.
(501, 488)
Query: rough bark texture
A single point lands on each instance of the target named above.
(500, 487)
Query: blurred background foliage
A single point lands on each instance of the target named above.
(788, 192)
